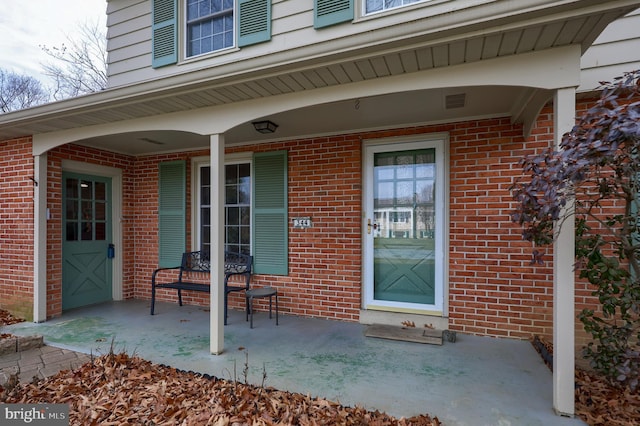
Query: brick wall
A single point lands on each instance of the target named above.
(16, 227)
(324, 260)
(494, 290)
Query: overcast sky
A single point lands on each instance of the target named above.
(25, 25)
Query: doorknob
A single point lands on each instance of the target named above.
(369, 225)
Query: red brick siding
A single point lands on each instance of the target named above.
(324, 260)
(494, 290)
(16, 226)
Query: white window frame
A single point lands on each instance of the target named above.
(185, 33)
(363, 5)
(205, 161)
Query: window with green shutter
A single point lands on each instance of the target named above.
(164, 33)
(331, 12)
(270, 232)
(171, 212)
(207, 27)
(254, 22)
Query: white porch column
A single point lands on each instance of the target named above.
(217, 245)
(563, 277)
(40, 238)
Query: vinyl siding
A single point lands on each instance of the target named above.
(129, 36)
(615, 51)
(128, 39)
(294, 39)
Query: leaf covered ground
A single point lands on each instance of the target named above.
(599, 402)
(122, 389)
(7, 319)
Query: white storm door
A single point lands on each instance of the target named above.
(404, 226)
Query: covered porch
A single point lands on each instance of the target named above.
(499, 95)
(474, 381)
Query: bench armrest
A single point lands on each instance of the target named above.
(153, 276)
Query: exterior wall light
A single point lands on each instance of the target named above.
(265, 126)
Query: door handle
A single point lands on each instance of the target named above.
(369, 225)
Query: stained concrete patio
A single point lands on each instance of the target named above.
(474, 381)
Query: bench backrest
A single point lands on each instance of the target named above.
(198, 261)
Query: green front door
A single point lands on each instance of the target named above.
(86, 264)
(403, 253)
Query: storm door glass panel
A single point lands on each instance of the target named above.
(404, 217)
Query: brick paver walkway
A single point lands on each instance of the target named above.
(41, 362)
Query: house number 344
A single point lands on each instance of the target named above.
(302, 222)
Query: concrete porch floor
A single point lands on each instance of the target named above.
(474, 381)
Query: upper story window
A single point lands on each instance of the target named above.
(209, 26)
(206, 26)
(372, 6)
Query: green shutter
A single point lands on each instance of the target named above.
(254, 22)
(331, 12)
(171, 212)
(270, 236)
(164, 32)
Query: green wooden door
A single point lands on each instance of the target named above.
(86, 266)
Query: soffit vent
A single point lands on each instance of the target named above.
(149, 140)
(455, 101)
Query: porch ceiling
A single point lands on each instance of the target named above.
(422, 52)
(376, 112)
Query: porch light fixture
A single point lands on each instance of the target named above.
(265, 126)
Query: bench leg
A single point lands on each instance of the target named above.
(248, 308)
(225, 308)
(180, 297)
(277, 309)
(153, 298)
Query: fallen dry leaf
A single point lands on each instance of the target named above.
(118, 389)
(599, 402)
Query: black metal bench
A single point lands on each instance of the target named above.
(198, 262)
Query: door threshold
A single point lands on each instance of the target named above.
(424, 320)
